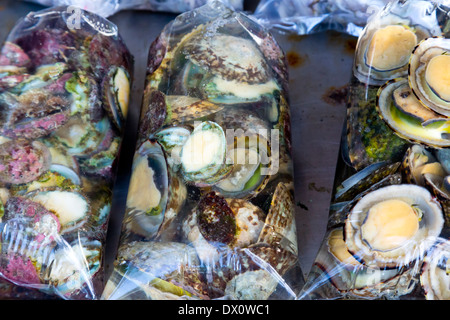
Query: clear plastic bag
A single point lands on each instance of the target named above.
(210, 208)
(389, 224)
(64, 90)
(106, 8)
(305, 17)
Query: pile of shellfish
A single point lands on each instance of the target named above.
(210, 207)
(63, 98)
(389, 225)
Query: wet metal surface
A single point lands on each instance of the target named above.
(320, 68)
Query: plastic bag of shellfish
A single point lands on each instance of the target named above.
(306, 17)
(106, 8)
(389, 224)
(64, 92)
(210, 206)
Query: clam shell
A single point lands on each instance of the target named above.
(23, 161)
(198, 148)
(419, 161)
(434, 134)
(422, 55)
(435, 278)
(430, 226)
(395, 18)
(353, 279)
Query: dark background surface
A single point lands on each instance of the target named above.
(319, 67)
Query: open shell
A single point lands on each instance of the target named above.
(203, 155)
(356, 280)
(427, 74)
(379, 250)
(434, 132)
(435, 277)
(155, 196)
(385, 47)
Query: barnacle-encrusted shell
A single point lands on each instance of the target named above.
(71, 208)
(418, 221)
(251, 285)
(183, 109)
(217, 221)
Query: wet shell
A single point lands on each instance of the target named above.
(170, 270)
(355, 280)
(172, 140)
(116, 95)
(434, 132)
(258, 260)
(82, 138)
(22, 161)
(436, 184)
(203, 155)
(251, 285)
(33, 214)
(13, 55)
(368, 139)
(279, 227)
(148, 192)
(185, 109)
(74, 266)
(218, 222)
(233, 58)
(72, 208)
(419, 161)
(435, 277)
(412, 206)
(35, 113)
(427, 74)
(385, 46)
(251, 158)
(153, 112)
(363, 180)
